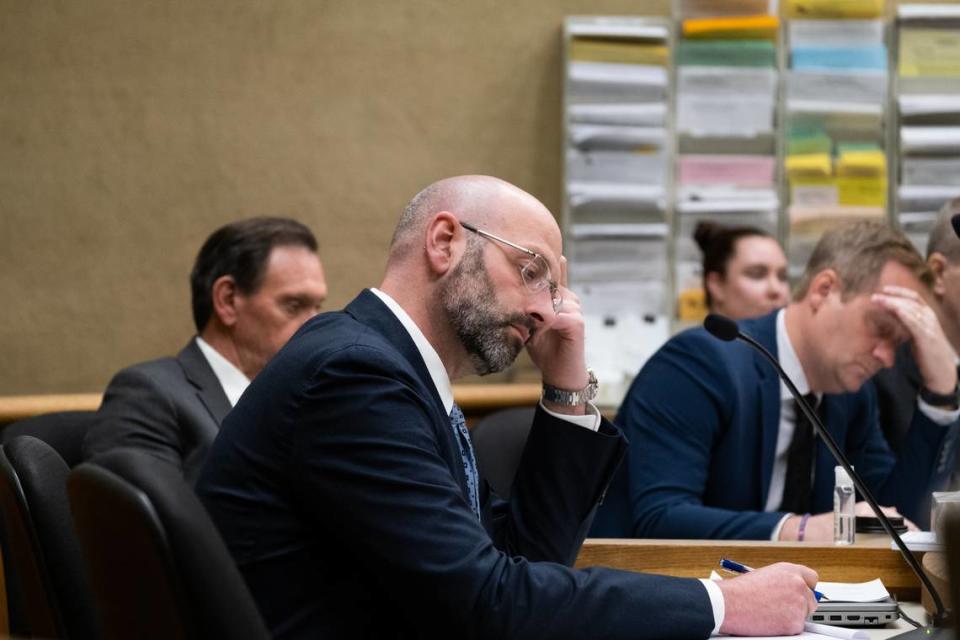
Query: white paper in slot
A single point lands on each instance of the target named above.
(616, 167)
(735, 117)
(938, 140)
(644, 114)
(924, 171)
(613, 137)
(617, 344)
(839, 87)
(739, 82)
(617, 196)
(835, 33)
(624, 81)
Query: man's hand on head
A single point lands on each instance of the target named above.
(557, 347)
(935, 357)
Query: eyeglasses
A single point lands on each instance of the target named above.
(535, 273)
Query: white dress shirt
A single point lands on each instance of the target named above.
(788, 419)
(438, 374)
(233, 381)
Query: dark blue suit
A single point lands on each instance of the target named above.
(703, 417)
(339, 488)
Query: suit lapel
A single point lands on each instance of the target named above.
(764, 331)
(199, 374)
(370, 310)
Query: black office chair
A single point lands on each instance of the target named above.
(158, 566)
(498, 441)
(64, 431)
(46, 579)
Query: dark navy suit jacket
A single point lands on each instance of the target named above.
(703, 417)
(339, 488)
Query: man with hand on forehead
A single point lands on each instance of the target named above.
(345, 483)
(726, 454)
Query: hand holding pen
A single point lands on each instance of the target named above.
(772, 601)
(736, 567)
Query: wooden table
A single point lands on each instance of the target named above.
(871, 557)
(476, 400)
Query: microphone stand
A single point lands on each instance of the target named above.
(939, 628)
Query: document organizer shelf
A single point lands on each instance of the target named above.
(926, 81)
(618, 154)
(791, 116)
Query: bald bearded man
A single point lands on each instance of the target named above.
(345, 485)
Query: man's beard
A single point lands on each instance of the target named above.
(468, 298)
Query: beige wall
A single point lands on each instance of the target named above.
(130, 129)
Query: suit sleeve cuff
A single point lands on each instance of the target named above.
(939, 416)
(716, 603)
(777, 529)
(589, 420)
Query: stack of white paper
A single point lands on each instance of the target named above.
(618, 342)
(612, 81)
(641, 114)
(725, 101)
(929, 104)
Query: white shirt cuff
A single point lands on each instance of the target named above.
(589, 420)
(716, 603)
(776, 530)
(943, 417)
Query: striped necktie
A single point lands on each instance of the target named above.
(462, 436)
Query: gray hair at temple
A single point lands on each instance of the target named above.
(942, 238)
(464, 196)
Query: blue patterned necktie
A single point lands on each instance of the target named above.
(460, 432)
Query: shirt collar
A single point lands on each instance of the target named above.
(438, 373)
(789, 360)
(233, 381)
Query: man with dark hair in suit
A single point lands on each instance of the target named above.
(724, 452)
(898, 388)
(345, 483)
(253, 284)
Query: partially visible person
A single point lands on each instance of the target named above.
(253, 284)
(744, 270)
(722, 450)
(899, 388)
(345, 484)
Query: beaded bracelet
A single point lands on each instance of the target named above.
(802, 529)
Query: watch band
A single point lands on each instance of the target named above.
(572, 398)
(940, 400)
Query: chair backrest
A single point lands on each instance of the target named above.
(499, 440)
(47, 574)
(158, 567)
(63, 430)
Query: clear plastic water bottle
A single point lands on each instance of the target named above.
(844, 516)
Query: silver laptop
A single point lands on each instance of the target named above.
(856, 614)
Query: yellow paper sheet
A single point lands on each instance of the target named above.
(929, 52)
(618, 50)
(692, 305)
(865, 164)
(834, 8)
(862, 192)
(809, 165)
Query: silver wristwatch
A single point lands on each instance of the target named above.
(572, 398)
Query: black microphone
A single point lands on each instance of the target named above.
(955, 221)
(727, 330)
